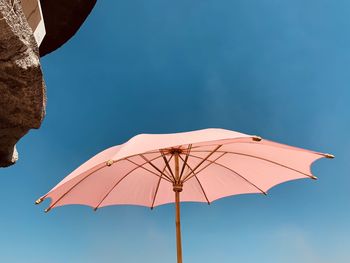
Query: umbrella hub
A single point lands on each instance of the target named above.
(177, 187)
(173, 150)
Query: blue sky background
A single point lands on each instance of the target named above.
(279, 69)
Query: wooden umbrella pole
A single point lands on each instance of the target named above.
(178, 228)
(177, 189)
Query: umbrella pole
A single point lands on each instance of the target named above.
(177, 189)
(178, 229)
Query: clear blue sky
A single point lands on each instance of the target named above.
(279, 69)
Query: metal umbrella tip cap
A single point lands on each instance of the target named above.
(39, 201)
(329, 156)
(257, 138)
(47, 210)
(314, 178)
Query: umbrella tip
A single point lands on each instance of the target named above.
(314, 178)
(95, 209)
(257, 138)
(39, 200)
(47, 210)
(329, 156)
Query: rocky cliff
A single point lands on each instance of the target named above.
(22, 88)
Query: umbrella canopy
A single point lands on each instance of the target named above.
(203, 165)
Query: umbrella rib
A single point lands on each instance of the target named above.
(154, 166)
(230, 169)
(148, 170)
(185, 161)
(210, 163)
(115, 185)
(167, 165)
(199, 182)
(203, 160)
(76, 184)
(283, 146)
(156, 192)
(270, 161)
(233, 140)
(70, 189)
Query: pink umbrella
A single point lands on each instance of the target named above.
(205, 165)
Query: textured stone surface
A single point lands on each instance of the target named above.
(22, 88)
(62, 19)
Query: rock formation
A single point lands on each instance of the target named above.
(22, 88)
